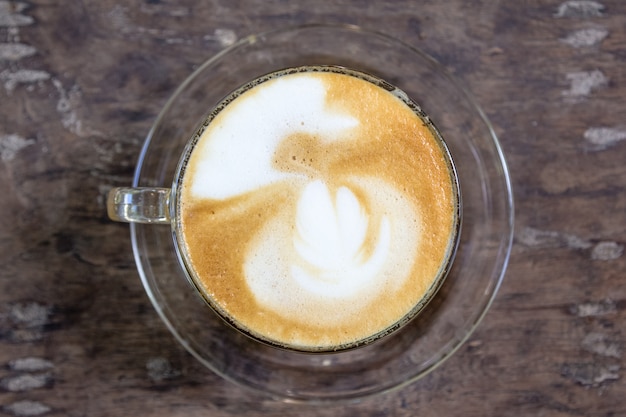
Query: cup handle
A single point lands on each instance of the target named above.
(139, 205)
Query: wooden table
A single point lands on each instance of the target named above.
(82, 82)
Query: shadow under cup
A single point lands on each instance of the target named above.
(409, 352)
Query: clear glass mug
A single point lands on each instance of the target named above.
(410, 352)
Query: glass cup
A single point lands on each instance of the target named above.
(165, 206)
(410, 351)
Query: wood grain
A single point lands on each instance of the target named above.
(82, 82)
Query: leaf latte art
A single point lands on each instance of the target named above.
(318, 208)
(329, 240)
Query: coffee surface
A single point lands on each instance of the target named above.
(317, 208)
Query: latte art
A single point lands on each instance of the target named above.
(329, 256)
(318, 209)
(330, 239)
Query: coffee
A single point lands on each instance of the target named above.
(318, 208)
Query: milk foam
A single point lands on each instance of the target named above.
(317, 209)
(239, 157)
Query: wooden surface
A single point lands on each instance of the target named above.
(82, 82)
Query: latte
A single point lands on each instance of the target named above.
(318, 209)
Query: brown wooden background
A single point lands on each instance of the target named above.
(81, 83)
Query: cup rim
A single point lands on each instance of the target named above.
(447, 259)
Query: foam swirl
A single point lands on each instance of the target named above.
(239, 157)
